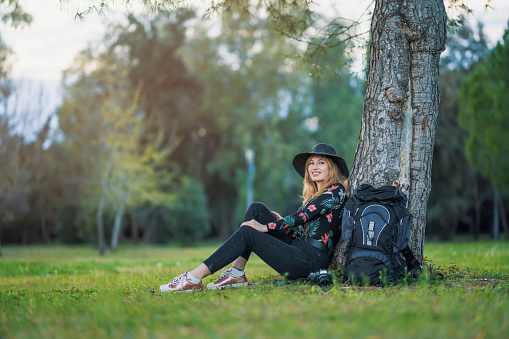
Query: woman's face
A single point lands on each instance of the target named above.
(318, 169)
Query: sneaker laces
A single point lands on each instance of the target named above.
(226, 272)
(178, 279)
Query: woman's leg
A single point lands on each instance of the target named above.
(290, 261)
(240, 262)
(192, 280)
(200, 272)
(261, 213)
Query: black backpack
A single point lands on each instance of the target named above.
(376, 227)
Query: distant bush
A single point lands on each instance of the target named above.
(188, 219)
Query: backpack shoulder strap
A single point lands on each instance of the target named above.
(348, 221)
(410, 259)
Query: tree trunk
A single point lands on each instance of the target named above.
(503, 218)
(221, 203)
(148, 231)
(100, 227)
(453, 229)
(474, 223)
(1, 232)
(117, 226)
(134, 228)
(99, 218)
(478, 211)
(400, 115)
(496, 217)
(44, 230)
(24, 234)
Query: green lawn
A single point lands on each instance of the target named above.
(71, 292)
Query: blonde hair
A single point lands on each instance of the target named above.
(310, 189)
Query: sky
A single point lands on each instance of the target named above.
(48, 46)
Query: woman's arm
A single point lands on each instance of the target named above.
(333, 197)
(277, 215)
(256, 225)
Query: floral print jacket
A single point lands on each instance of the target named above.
(320, 218)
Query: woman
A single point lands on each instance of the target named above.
(293, 246)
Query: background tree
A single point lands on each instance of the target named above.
(484, 105)
(127, 168)
(213, 95)
(13, 14)
(13, 195)
(453, 179)
(252, 93)
(256, 97)
(15, 179)
(170, 95)
(171, 102)
(337, 102)
(23, 167)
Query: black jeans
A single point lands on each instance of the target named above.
(294, 259)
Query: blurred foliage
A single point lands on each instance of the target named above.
(311, 35)
(258, 99)
(454, 182)
(484, 113)
(156, 119)
(13, 14)
(17, 180)
(170, 94)
(126, 137)
(188, 219)
(337, 105)
(5, 81)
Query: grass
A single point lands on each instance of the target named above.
(71, 292)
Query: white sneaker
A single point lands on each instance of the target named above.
(228, 279)
(180, 284)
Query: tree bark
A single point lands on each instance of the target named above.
(148, 231)
(117, 226)
(451, 232)
(400, 115)
(221, 203)
(496, 217)
(99, 217)
(134, 228)
(503, 218)
(24, 234)
(477, 209)
(44, 230)
(1, 232)
(100, 227)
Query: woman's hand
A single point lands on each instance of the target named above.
(256, 225)
(277, 215)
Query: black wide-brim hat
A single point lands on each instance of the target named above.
(299, 160)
